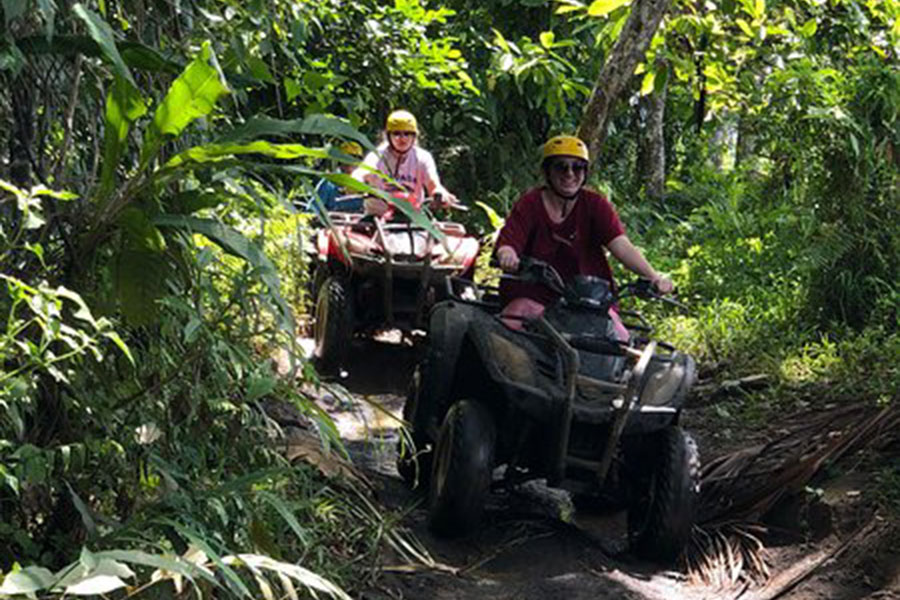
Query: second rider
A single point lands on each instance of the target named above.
(400, 157)
(569, 227)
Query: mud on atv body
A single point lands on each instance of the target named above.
(562, 399)
(371, 274)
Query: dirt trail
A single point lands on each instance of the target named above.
(522, 552)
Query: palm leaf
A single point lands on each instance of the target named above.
(307, 578)
(192, 95)
(738, 490)
(234, 242)
(318, 124)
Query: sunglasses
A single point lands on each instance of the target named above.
(403, 134)
(562, 167)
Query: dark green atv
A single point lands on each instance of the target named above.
(561, 399)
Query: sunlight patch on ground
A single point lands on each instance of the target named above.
(654, 586)
(362, 421)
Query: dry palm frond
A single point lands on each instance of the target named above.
(744, 485)
(403, 542)
(740, 489)
(307, 446)
(726, 557)
(790, 578)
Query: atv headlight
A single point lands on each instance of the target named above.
(662, 382)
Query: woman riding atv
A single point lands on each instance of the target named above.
(406, 162)
(569, 227)
(569, 397)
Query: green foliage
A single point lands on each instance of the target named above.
(169, 450)
(858, 201)
(836, 365)
(191, 96)
(174, 454)
(538, 72)
(189, 136)
(48, 329)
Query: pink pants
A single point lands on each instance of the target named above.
(526, 308)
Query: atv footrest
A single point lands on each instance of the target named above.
(583, 463)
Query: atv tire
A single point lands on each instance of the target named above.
(661, 514)
(463, 466)
(317, 278)
(334, 324)
(414, 463)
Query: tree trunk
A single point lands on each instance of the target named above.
(21, 137)
(627, 52)
(723, 143)
(655, 145)
(700, 103)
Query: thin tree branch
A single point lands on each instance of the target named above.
(69, 119)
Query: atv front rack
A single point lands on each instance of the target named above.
(626, 399)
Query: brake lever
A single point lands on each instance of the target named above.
(438, 200)
(673, 302)
(643, 288)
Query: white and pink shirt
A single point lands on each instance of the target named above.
(415, 170)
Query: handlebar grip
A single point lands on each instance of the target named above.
(643, 288)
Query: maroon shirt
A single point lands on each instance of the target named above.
(573, 247)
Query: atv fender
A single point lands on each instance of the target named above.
(448, 326)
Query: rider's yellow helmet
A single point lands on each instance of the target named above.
(402, 120)
(566, 145)
(351, 148)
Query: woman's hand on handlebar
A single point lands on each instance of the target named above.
(508, 259)
(662, 284)
(447, 200)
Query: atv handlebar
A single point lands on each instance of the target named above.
(426, 202)
(439, 199)
(643, 288)
(538, 271)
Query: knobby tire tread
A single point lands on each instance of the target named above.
(460, 508)
(339, 326)
(673, 509)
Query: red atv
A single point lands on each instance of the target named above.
(380, 273)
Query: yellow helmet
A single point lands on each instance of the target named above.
(402, 120)
(566, 145)
(351, 148)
